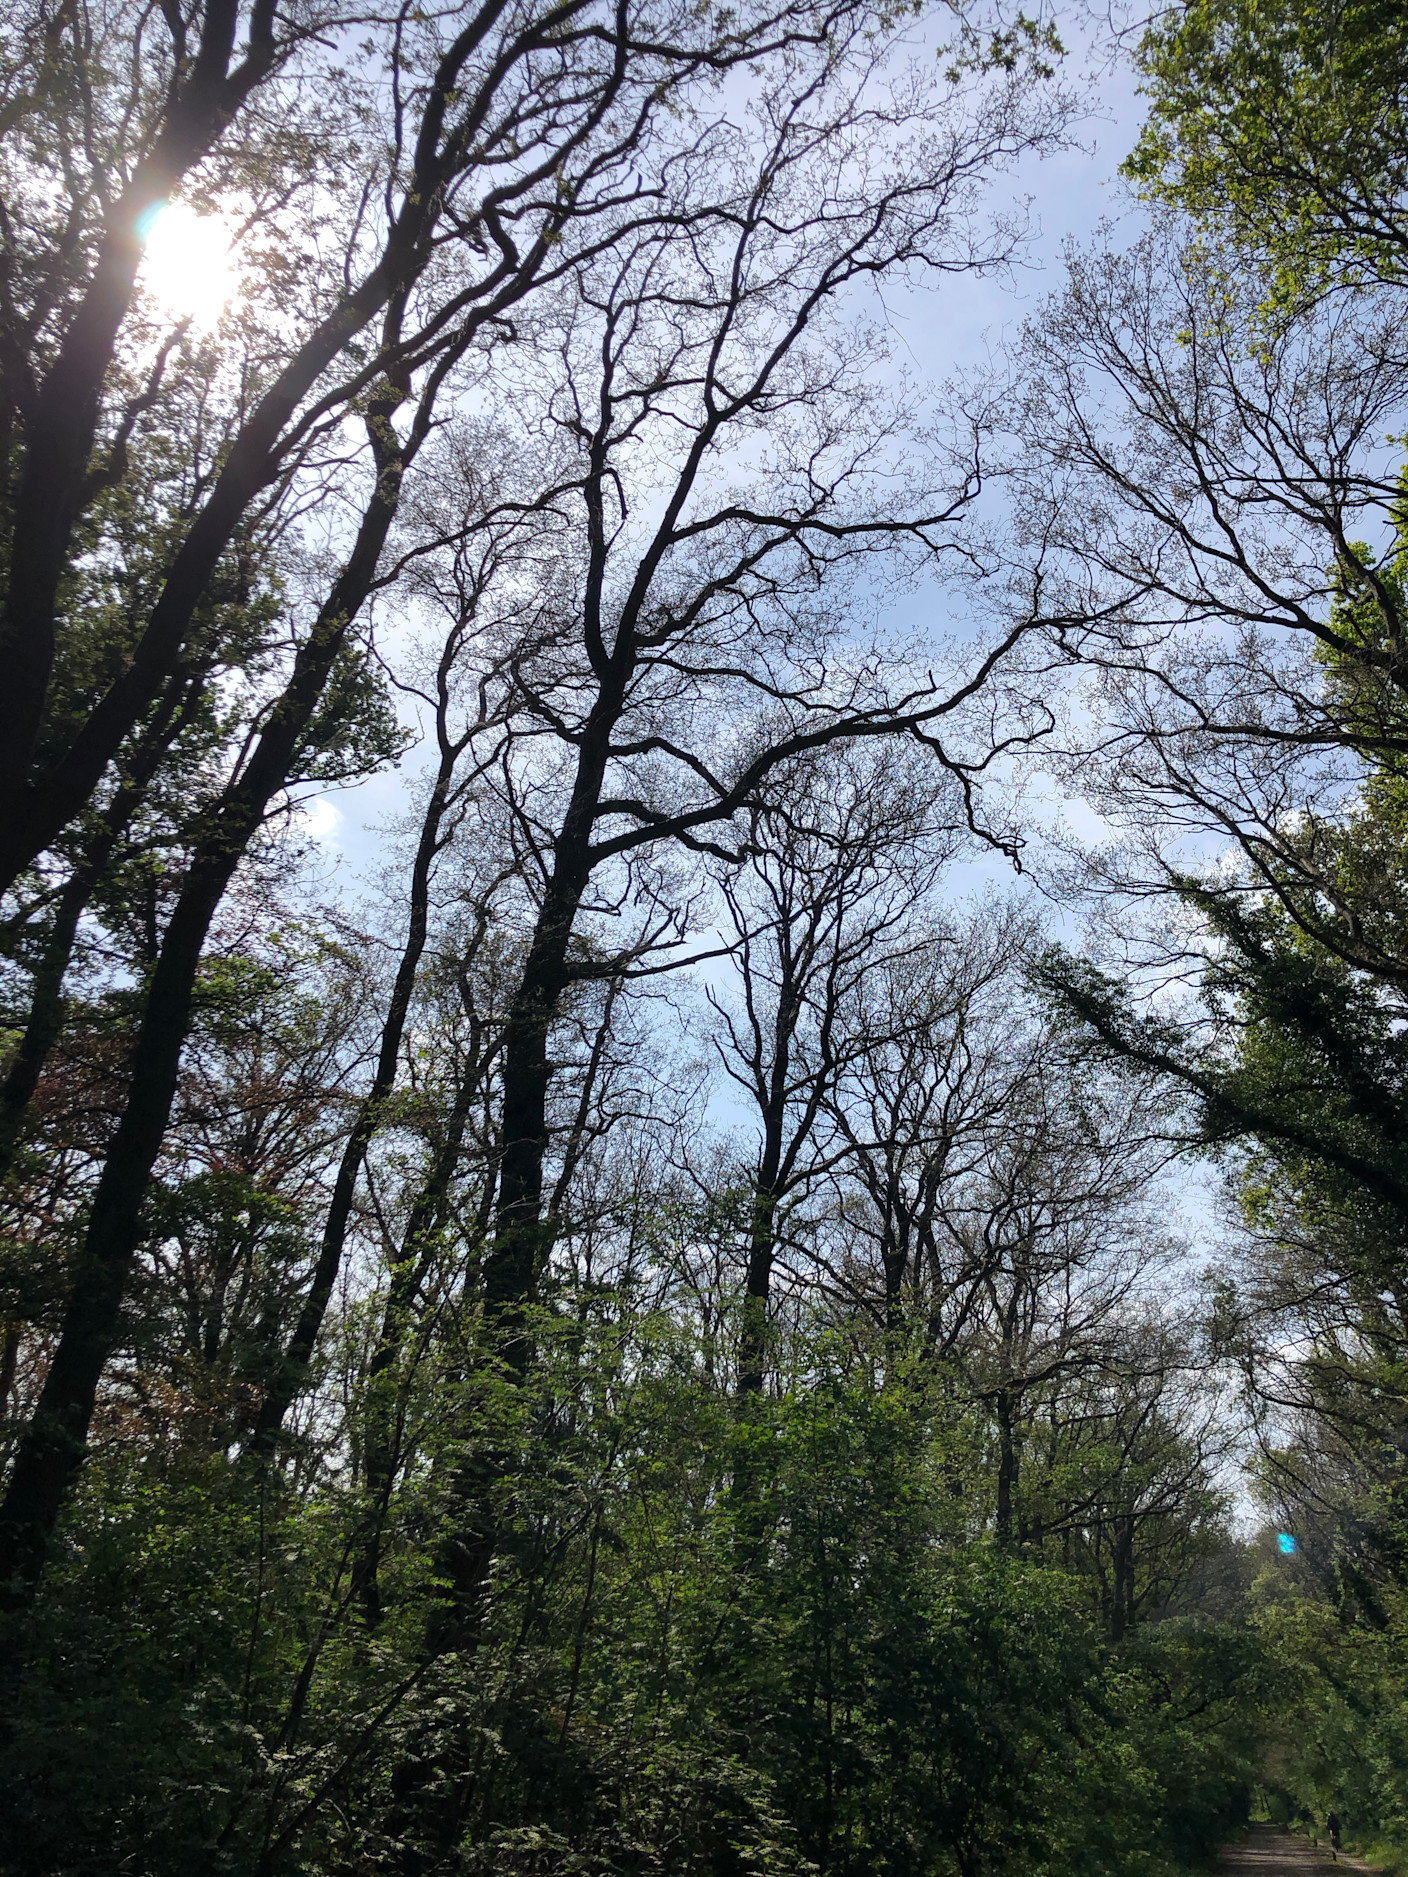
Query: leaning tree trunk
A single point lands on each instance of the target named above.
(292, 1371)
(53, 1445)
(46, 1011)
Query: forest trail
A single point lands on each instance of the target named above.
(1268, 1851)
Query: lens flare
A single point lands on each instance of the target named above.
(1285, 1544)
(186, 263)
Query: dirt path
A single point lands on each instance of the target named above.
(1267, 1851)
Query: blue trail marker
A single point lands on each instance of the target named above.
(1285, 1544)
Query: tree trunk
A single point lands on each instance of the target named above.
(515, 1257)
(1007, 1463)
(757, 1289)
(61, 428)
(46, 1010)
(408, 1276)
(894, 1256)
(1122, 1579)
(767, 1196)
(52, 1447)
(292, 1371)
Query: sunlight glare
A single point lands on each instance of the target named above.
(320, 820)
(186, 264)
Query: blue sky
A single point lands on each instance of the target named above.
(957, 326)
(960, 325)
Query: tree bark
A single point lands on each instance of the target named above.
(1006, 1466)
(768, 1191)
(292, 1371)
(52, 1447)
(60, 429)
(515, 1257)
(46, 1010)
(1122, 1579)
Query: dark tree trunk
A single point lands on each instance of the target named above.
(292, 1371)
(46, 1011)
(512, 1264)
(1122, 1579)
(60, 429)
(52, 1448)
(408, 1277)
(767, 1196)
(514, 1259)
(895, 1259)
(1007, 1464)
(757, 1285)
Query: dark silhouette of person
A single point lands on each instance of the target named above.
(1332, 1825)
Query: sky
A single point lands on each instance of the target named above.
(957, 326)
(939, 332)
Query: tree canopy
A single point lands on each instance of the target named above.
(733, 1302)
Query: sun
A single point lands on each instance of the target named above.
(187, 265)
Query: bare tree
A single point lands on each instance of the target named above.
(926, 1083)
(489, 141)
(1049, 1243)
(996, 1196)
(738, 468)
(1210, 514)
(826, 903)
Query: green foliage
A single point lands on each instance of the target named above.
(841, 1676)
(1288, 118)
(1338, 1732)
(129, 538)
(354, 729)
